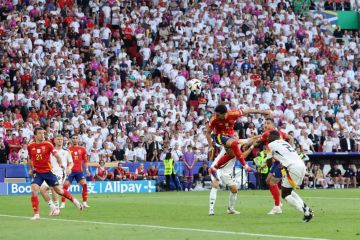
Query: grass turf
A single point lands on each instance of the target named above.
(337, 216)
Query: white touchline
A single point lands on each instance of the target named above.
(171, 228)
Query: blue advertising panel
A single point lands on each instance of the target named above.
(93, 187)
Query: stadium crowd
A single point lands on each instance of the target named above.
(116, 72)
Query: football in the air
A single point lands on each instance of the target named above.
(195, 86)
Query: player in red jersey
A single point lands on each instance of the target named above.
(274, 176)
(40, 170)
(221, 131)
(79, 157)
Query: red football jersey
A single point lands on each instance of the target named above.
(225, 126)
(79, 157)
(267, 132)
(39, 154)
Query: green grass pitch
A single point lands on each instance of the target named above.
(184, 215)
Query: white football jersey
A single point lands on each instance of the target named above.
(285, 153)
(65, 159)
(228, 168)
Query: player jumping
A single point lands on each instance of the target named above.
(226, 176)
(79, 157)
(221, 130)
(40, 169)
(67, 163)
(295, 170)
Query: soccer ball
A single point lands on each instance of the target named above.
(195, 86)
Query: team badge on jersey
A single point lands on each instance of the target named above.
(38, 150)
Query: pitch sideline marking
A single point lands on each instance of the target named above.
(171, 228)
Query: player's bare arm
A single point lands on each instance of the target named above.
(255, 111)
(209, 139)
(58, 159)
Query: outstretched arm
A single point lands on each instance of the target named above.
(255, 111)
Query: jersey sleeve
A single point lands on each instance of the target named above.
(212, 122)
(51, 148)
(235, 114)
(264, 136)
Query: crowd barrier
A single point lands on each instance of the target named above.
(143, 186)
(15, 179)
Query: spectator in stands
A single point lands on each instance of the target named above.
(140, 172)
(119, 173)
(306, 143)
(23, 154)
(329, 145)
(350, 175)
(101, 173)
(118, 154)
(319, 177)
(152, 173)
(347, 143)
(140, 153)
(176, 153)
(189, 162)
(130, 153)
(336, 176)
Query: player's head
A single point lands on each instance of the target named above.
(59, 140)
(220, 111)
(75, 139)
(273, 135)
(39, 134)
(269, 124)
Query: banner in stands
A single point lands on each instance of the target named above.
(93, 187)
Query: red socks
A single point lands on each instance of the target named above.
(67, 195)
(237, 152)
(84, 192)
(223, 160)
(35, 204)
(274, 189)
(66, 187)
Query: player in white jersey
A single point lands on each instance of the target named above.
(293, 174)
(67, 162)
(227, 177)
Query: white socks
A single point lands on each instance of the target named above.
(298, 198)
(51, 204)
(294, 203)
(213, 193)
(56, 203)
(232, 200)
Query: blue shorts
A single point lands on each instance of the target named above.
(77, 175)
(276, 170)
(48, 177)
(220, 139)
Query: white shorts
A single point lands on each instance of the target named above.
(226, 178)
(297, 174)
(61, 179)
